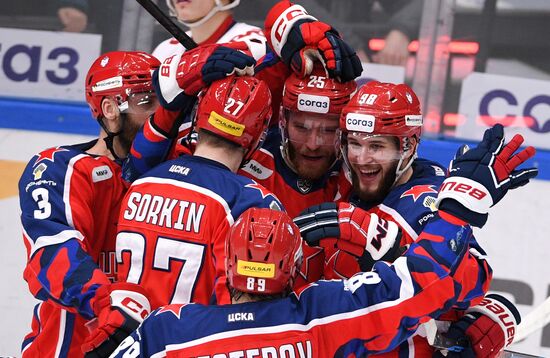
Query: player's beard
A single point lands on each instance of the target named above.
(130, 127)
(310, 172)
(386, 184)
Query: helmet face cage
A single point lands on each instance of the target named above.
(383, 109)
(237, 109)
(263, 252)
(122, 75)
(317, 94)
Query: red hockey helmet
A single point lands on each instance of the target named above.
(383, 109)
(237, 109)
(317, 93)
(263, 252)
(118, 74)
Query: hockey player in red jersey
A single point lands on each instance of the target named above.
(380, 133)
(370, 313)
(298, 161)
(70, 198)
(174, 219)
(299, 37)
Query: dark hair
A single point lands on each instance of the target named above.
(207, 137)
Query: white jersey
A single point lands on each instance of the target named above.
(251, 35)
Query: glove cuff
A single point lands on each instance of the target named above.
(471, 194)
(283, 25)
(129, 298)
(502, 311)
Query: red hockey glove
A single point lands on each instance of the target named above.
(358, 232)
(181, 77)
(120, 308)
(479, 178)
(298, 39)
(485, 330)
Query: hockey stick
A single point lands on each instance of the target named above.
(168, 24)
(533, 321)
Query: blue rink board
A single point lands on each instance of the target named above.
(75, 118)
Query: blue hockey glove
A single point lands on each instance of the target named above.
(479, 178)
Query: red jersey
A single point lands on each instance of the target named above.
(268, 167)
(172, 228)
(69, 204)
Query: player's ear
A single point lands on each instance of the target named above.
(413, 146)
(111, 114)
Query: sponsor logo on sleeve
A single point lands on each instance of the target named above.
(255, 269)
(39, 170)
(257, 170)
(312, 103)
(429, 202)
(226, 125)
(101, 173)
(358, 122)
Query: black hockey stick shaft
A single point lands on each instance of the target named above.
(168, 24)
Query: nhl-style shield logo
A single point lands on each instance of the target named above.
(303, 185)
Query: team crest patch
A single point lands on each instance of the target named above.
(101, 173)
(37, 172)
(304, 185)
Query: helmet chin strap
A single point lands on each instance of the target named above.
(109, 140)
(217, 7)
(400, 172)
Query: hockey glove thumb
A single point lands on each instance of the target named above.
(485, 330)
(299, 39)
(367, 236)
(119, 308)
(479, 178)
(364, 235)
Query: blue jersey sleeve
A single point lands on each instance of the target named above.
(59, 268)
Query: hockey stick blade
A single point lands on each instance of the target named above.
(168, 24)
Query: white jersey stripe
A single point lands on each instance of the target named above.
(406, 292)
(400, 220)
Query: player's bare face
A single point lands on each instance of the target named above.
(373, 161)
(312, 139)
(192, 10)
